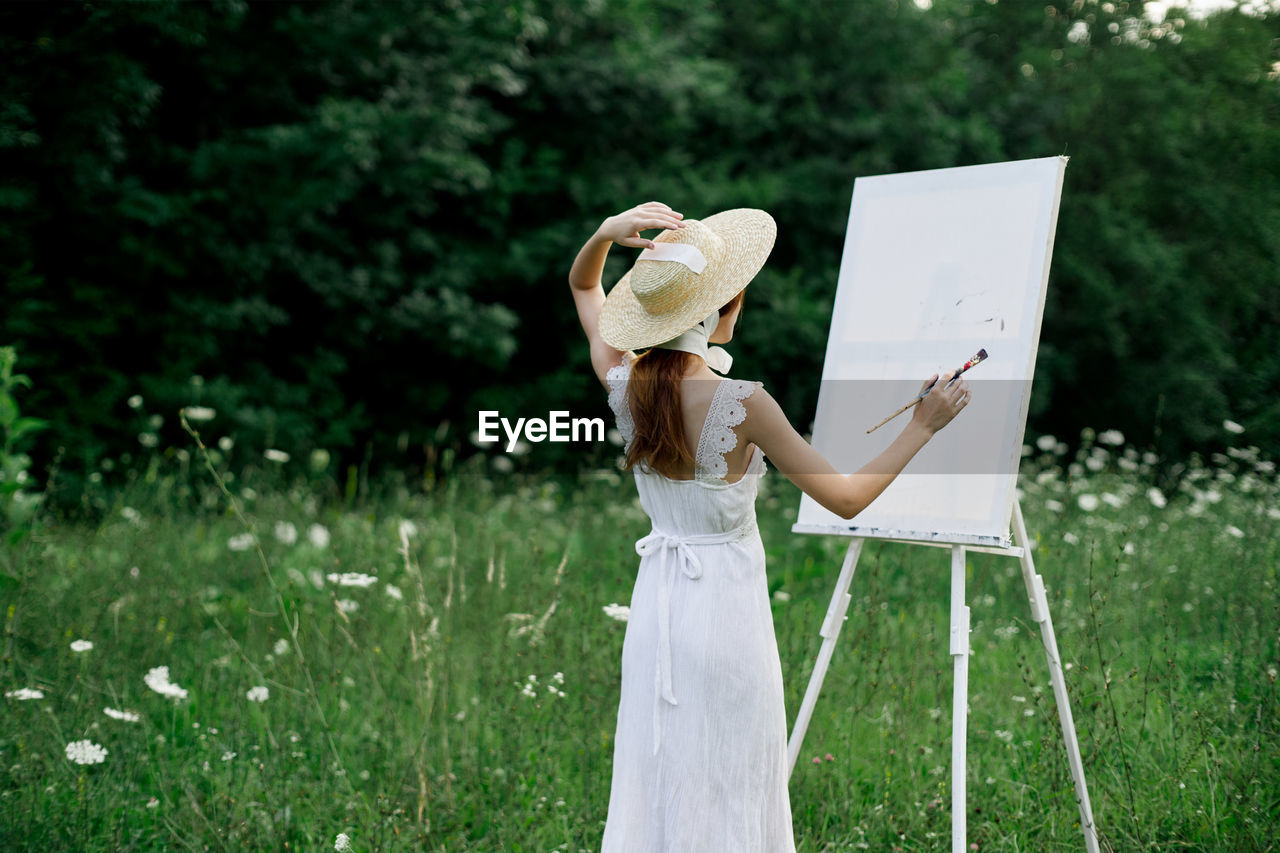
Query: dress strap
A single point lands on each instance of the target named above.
(718, 437)
(687, 562)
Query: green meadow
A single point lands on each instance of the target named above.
(434, 665)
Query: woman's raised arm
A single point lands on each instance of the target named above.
(584, 278)
(846, 495)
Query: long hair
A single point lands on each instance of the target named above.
(653, 393)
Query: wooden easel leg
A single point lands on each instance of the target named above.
(830, 631)
(959, 698)
(1040, 613)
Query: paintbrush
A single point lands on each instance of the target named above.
(981, 356)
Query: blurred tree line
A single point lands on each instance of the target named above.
(352, 221)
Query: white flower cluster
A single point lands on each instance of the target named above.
(351, 579)
(116, 714)
(241, 542)
(23, 693)
(157, 679)
(258, 694)
(86, 752)
(621, 612)
(81, 645)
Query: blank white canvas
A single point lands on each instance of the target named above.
(937, 265)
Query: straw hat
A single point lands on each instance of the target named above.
(694, 271)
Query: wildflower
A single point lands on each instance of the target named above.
(226, 443)
(503, 464)
(342, 842)
(131, 515)
(1112, 500)
(781, 595)
(829, 757)
(520, 448)
(81, 645)
(1018, 698)
(274, 455)
(1130, 548)
(614, 437)
(148, 439)
(351, 579)
(1070, 538)
(241, 542)
(157, 679)
(286, 533)
(1087, 502)
(318, 535)
(1232, 427)
(135, 402)
(86, 752)
(481, 442)
(346, 605)
(23, 693)
(319, 459)
(1005, 736)
(152, 803)
(817, 760)
(1232, 530)
(199, 413)
(257, 694)
(227, 756)
(621, 612)
(116, 714)
(1114, 437)
(407, 528)
(1095, 463)
(1054, 506)
(394, 592)
(281, 647)
(1157, 498)
(1046, 443)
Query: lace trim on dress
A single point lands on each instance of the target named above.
(718, 437)
(617, 381)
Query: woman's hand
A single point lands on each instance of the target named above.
(942, 403)
(624, 228)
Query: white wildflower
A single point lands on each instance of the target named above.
(286, 533)
(117, 714)
(1114, 437)
(1112, 500)
(274, 455)
(319, 535)
(81, 645)
(346, 605)
(148, 439)
(131, 515)
(199, 413)
(281, 647)
(228, 755)
(1088, 502)
(319, 459)
(1018, 698)
(1054, 506)
(317, 578)
(621, 612)
(394, 592)
(157, 679)
(226, 443)
(781, 595)
(1070, 538)
(23, 693)
(481, 442)
(1005, 736)
(614, 437)
(407, 529)
(152, 803)
(351, 579)
(1232, 427)
(1046, 443)
(135, 402)
(1157, 498)
(342, 842)
(258, 694)
(241, 542)
(86, 752)
(1232, 530)
(503, 464)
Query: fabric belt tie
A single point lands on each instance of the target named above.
(687, 562)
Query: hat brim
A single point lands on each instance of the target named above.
(748, 236)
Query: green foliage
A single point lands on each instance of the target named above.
(17, 504)
(354, 220)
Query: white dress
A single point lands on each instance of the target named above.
(699, 761)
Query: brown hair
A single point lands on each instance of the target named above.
(653, 393)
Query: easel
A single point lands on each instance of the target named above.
(960, 655)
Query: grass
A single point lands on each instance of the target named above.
(434, 720)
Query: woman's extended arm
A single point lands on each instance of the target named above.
(847, 495)
(584, 278)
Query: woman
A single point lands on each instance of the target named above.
(700, 759)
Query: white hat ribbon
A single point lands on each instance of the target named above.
(695, 341)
